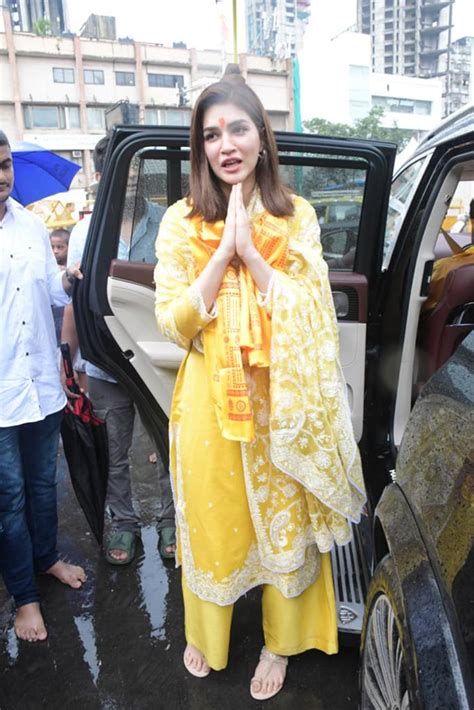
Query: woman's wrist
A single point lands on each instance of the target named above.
(251, 256)
(222, 256)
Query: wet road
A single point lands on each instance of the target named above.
(117, 643)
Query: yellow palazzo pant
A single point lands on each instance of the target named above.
(290, 626)
(217, 543)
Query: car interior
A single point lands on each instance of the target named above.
(431, 338)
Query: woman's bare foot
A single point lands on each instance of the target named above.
(72, 575)
(269, 675)
(29, 624)
(195, 662)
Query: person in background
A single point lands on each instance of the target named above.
(32, 405)
(266, 473)
(112, 403)
(59, 239)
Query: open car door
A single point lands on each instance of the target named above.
(147, 169)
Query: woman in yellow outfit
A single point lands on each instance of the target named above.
(266, 473)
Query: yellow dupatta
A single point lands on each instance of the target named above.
(241, 333)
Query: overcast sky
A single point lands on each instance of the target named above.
(196, 21)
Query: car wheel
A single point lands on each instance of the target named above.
(387, 678)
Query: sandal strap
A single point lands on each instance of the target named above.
(266, 655)
(122, 540)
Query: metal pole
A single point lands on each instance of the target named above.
(234, 26)
(448, 83)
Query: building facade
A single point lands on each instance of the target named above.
(275, 28)
(409, 37)
(461, 83)
(409, 102)
(55, 91)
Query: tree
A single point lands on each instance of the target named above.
(367, 127)
(43, 27)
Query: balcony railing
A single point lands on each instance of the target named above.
(433, 29)
(430, 5)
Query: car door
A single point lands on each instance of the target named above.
(146, 170)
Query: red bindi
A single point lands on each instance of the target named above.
(221, 122)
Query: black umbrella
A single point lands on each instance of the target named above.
(85, 445)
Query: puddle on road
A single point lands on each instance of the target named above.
(12, 646)
(152, 578)
(85, 628)
(154, 584)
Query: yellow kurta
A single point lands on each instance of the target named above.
(261, 512)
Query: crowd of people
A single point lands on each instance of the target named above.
(266, 473)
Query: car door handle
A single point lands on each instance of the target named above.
(341, 303)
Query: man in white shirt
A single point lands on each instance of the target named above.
(32, 403)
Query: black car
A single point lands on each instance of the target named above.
(406, 580)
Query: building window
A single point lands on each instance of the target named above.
(41, 117)
(167, 81)
(63, 76)
(152, 117)
(125, 78)
(95, 118)
(93, 76)
(396, 105)
(72, 117)
(63, 117)
(167, 117)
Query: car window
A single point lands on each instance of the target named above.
(403, 188)
(335, 188)
(144, 205)
(333, 185)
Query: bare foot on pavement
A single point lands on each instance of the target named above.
(72, 575)
(29, 624)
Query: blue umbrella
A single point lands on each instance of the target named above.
(39, 172)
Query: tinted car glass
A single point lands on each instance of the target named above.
(333, 185)
(335, 188)
(403, 188)
(144, 205)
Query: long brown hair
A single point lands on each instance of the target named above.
(205, 193)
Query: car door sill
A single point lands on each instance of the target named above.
(351, 580)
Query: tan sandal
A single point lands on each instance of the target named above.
(272, 659)
(205, 669)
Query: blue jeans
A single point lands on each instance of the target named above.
(28, 510)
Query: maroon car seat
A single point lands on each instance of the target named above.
(444, 327)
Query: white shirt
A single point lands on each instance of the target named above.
(30, 283)
(77, 241)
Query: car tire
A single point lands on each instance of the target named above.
(387, 672)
